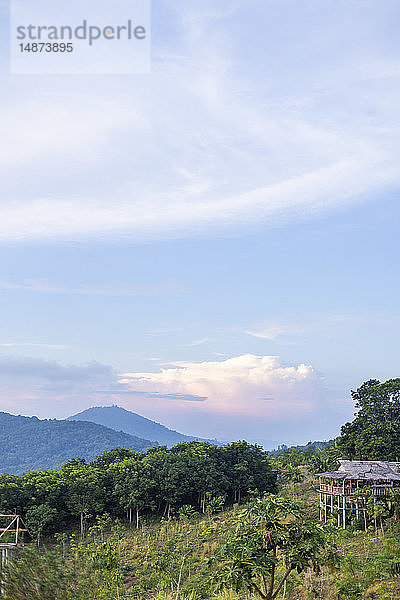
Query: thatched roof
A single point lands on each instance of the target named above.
(365, 470)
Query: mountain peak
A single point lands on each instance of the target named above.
(120, 419)
(30, 443)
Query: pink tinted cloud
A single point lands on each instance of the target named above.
(246, 385)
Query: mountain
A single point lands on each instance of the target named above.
(312, 446)
(30, 443)
(124, 420)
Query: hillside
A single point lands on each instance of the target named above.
(181, 558)
(120, 419)
(28, 443)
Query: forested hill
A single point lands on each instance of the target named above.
(124, 420)
(28, 443)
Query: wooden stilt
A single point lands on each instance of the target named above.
(344, 512)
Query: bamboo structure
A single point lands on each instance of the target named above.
(12, 530)
(339, 491)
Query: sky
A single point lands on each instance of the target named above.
(213, 245)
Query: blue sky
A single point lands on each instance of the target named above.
(214, 245)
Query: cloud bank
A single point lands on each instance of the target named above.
(246, 397)
(247, 385)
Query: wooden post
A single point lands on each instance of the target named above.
(4, 562)
(344, 512)
(14, 525)
(320, 499)
(3, 568)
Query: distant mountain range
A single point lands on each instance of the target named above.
(129, 422)
(28, 443)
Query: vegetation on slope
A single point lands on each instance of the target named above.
(190, 557)
(185, 546)
(122, 483)
(30, 443)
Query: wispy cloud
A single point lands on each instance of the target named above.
(284, 330)
(230, 151)
(201, 341)
(33, 345)
(45, 286)
(178, 397)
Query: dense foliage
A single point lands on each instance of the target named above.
(176, 544)
(375, 432)
(270, 538)
(316, 456)
(160, 482)
(30, 443)
(188, 557)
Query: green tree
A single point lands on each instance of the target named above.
(271, 539)
(11, 493)
(135, 486)
(86, 492)
(46, 488)
(374, 434)
(38, 517)
(247, 467)
(378, 510)
(293, 474)
(326, 459)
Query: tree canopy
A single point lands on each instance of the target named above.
(374, 434)
(123, 483)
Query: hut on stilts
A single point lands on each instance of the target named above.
(341, 491)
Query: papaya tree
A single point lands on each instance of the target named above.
(272, 537)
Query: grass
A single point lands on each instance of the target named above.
(170, 561)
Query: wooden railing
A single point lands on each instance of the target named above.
(336, 490)
(381, 492)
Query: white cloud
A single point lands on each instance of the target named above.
(247, 397)
(207, 142)
(247, 385)
(58, 128)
